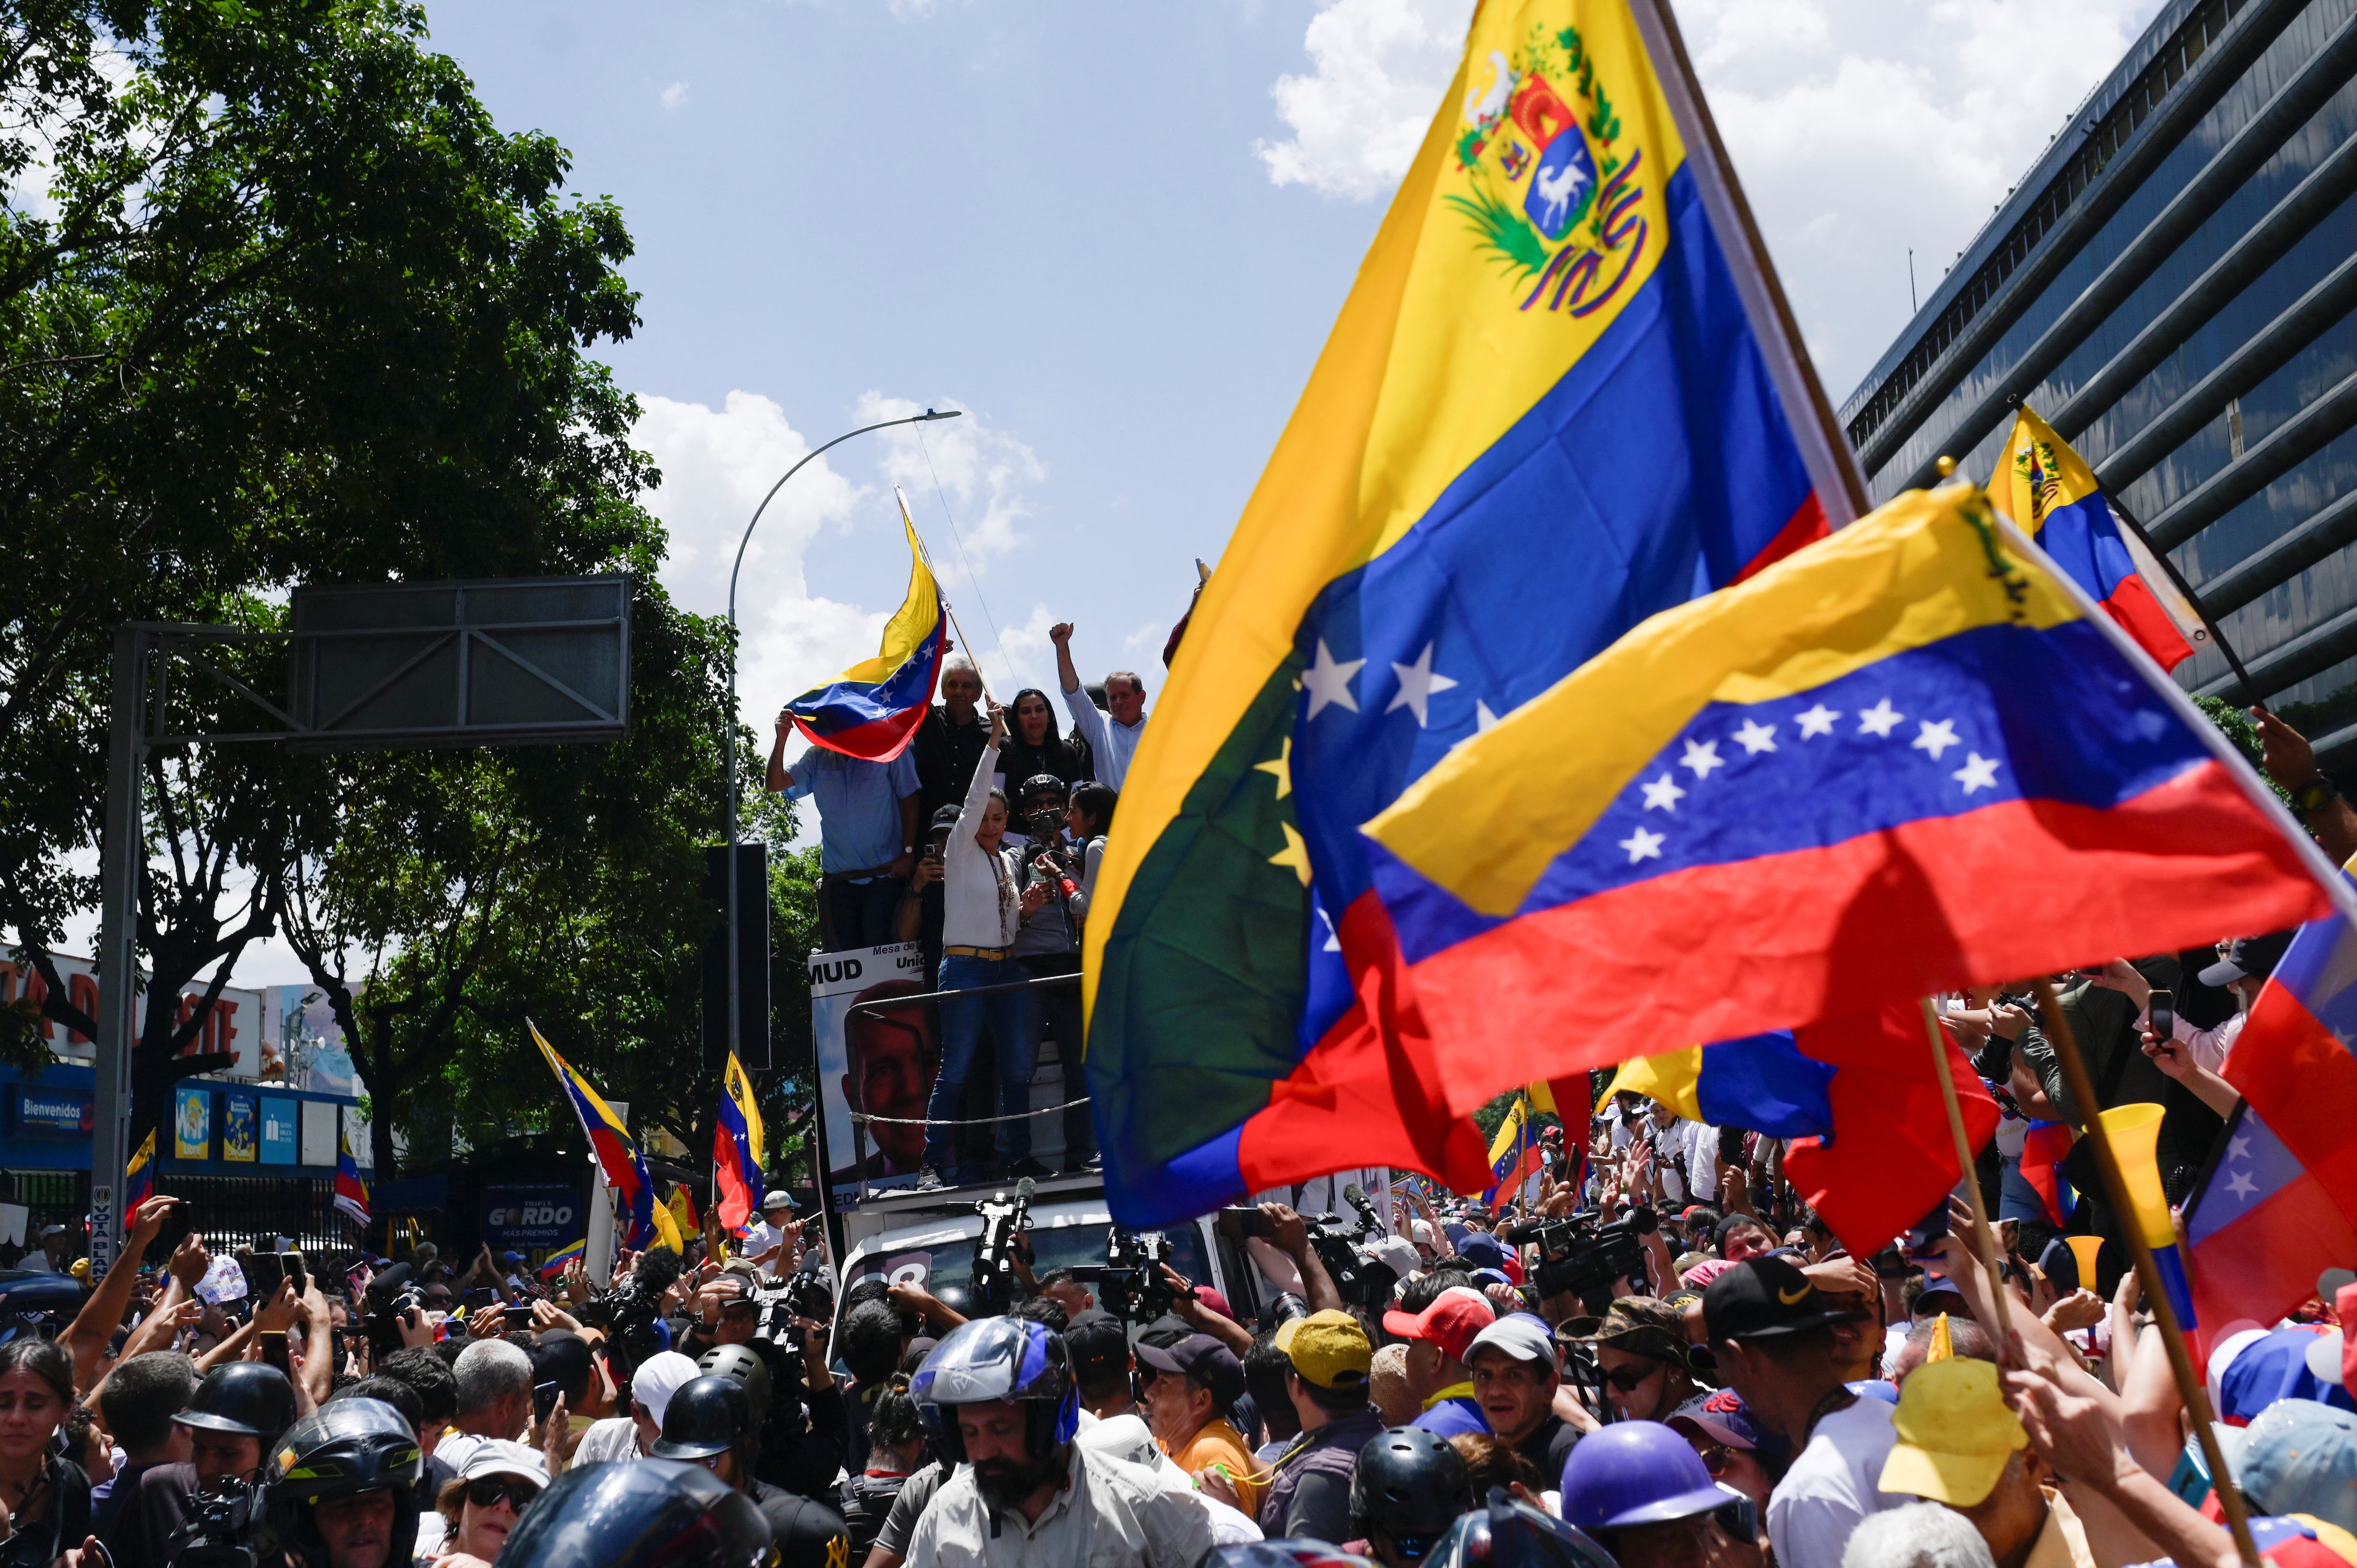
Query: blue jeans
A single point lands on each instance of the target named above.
(1007, 1018)
(861, 914)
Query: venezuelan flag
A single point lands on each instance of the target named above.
(1551, 406)
(2294, 1062)
(2049, 490)
(2043, 1154)
(872, 711)
(1515, 1155)
(1872, 1152)
(618, 1154)
(2260, 1228)
(736, 1153)
(139, 1176)
(351, 1192)
(554, 1264)
(1790, 799)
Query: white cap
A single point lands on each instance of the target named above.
(1127, 1437)
(658, 1378)
(1399, 1253)
(498, 1457)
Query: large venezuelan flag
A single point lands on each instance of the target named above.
(874, 709)
(1790, 801)
(1550, 408)
(736, 1151)
(2294, 1061)
(2259, 1230)
(2049, 490)
(617, 1154)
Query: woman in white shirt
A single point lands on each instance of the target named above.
(983, 901)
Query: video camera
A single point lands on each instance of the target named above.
(994, 1283)
(1359, 1277)
(223, 1528)
(1129, 1283)
(630, 1312)
(391, 1297)
(1581, 1255)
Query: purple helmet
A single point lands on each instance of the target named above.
(1636, 1472)
(991, 1359)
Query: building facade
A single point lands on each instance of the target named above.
(2170, 287)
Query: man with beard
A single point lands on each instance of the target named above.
(998, 1393)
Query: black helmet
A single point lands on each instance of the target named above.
(1041, 784)
(651, 1514)
(954, 1296)
(248, 1397)
(1410, 1485)
(707, 1416)
(1508, 1533)
(345, 1447)
(745, 1367)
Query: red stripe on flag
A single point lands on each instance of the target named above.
(2251, 1274)
(1806, 526)
(2303, 1084)
(2140, 615)
(878, 740)
(1719, 952)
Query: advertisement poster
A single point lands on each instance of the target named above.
(535, 1217)
(239, 1129)
(192, 1122)
(897, 1056)
(52, 1113)
(279, 1137)
(306, 1047)
(233, 1023)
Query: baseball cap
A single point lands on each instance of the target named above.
(1399, 1253)
(946, 816)
(1328, 1348)
(658, 1378)
(1520, 1335)
(1200, 1357)
(1955, 1434)
(1098, 1347)
(1481, 1247)
(1451, 1322)
(2299, 1456)
(1213, 1300)
(2248, 957)
(1635, 1324)
(776, 1201)
(1722, 1417)
(1761, 1297)
(499, 1457)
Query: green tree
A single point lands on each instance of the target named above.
(290, 308)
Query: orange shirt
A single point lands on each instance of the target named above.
(1219, 1444)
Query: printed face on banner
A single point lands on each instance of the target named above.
(881, 1064)
(192, 1123)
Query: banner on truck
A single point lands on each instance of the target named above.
(896, 1056)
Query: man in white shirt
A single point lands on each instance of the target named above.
(50, 1257)
(1111, 745)
(771, 1234)
(1772, 1336)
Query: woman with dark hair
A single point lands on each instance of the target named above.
(46, 1498)
(1034, 746)
(896, 1448)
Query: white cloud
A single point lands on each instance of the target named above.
(1858, 128)
(674, 95)
(1358, 118)
(717, 465)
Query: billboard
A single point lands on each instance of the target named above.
(192, 1122)
(280, 1139)
(898, 1056)
(233, 1023)
(240, 1131)
(531, 1217)
(305, 1047)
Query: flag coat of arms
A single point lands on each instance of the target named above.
(873, 709)
(1791, 799)
(1552, 406)
(139, 1175)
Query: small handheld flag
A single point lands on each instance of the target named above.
(554, 1263)
(139, 1175)
(617, 1154)
(872, 712)
(736, 1151)
(351, 1192)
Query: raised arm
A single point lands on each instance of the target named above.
(93, 1327)
(978, 788)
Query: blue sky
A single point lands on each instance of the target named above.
(1116, 235)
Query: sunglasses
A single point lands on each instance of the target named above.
(487, 1490)
(1716, 1458)
(1626, 1380)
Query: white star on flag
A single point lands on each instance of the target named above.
(1702, 756)
(1880, 719)
(1662, 794)
(1328, 681)
(2239, 1148)
(2241, 1185)
(1643, 845)
(1816, 720)
(1484, 721)
(1936, 738)
(1417, 684)
(1756, 737)
(1977, 773)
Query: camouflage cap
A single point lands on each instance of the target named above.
(1636, 1325)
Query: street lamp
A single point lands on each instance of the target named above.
(734, 1021)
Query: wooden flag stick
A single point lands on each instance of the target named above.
(2115, 1189)
(1984, 1237)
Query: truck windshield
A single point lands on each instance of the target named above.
(950, 1262)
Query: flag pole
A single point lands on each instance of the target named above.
(2115, 1189)
(1984, 1237)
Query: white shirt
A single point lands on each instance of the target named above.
(2210, 1048)
(1833, 1485)
(1111, 744)
(981, 893)
(36, 1262)
(1702, 1160)
(759, 1239)
(614, 1438)
(1110, 1514)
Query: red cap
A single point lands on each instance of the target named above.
(1452, 1321)
(1215, 1301)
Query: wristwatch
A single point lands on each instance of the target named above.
(2315, 795)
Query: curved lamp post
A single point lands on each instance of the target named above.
(734, 1020)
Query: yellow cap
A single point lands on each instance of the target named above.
(1330, 1349)
(1955, 1434)
(81, 1270)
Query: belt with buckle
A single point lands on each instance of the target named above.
(995, 954)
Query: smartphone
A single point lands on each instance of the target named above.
(479, 1298)
(2164, 1014)
(263, 1272)
(1249, 1222)
(295, 1271)
(543, 1400)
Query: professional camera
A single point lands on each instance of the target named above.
(632, 1309)
(994, 1283)
(1359, 1277)
(1129, 1283)
(391, 1296)
(1580, 1255)
(223, 1528)
(802, 1293)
